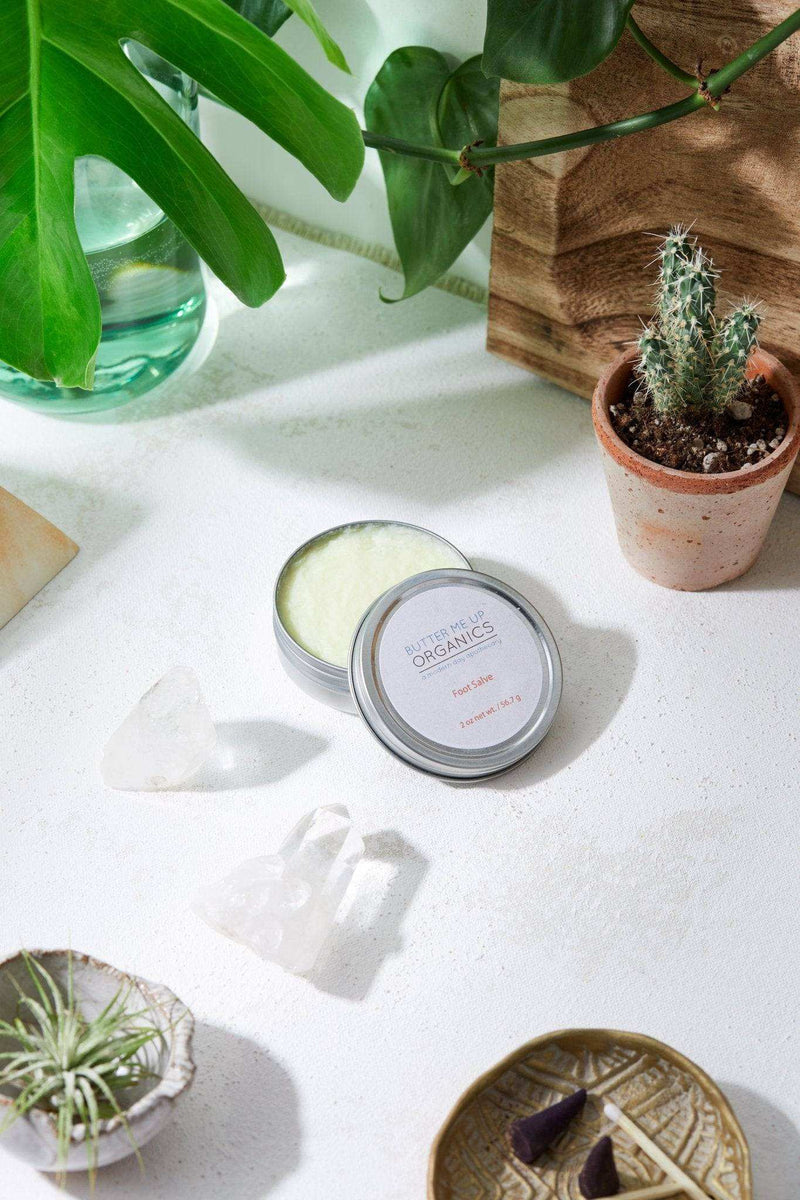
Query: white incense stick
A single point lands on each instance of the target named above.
(654, 1152)
(653, 1192)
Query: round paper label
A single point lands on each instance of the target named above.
(461, 665)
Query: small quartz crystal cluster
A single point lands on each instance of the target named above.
(164, 740)
(284, 905)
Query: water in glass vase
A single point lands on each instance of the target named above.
(147, 276)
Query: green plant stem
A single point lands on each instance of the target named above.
(721, 80)
(584, 137)
(712, 89)
(659, 57)
(392, 145)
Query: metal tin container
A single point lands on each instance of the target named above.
(453, 671)
(325, 681)
(456, 674)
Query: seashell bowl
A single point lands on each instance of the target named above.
(32, 1137)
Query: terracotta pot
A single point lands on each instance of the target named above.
(686, 530)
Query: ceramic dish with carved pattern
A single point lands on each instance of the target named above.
(673, 1101)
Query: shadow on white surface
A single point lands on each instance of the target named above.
(777, 568)
(252, 753)
(774, 1143)
(598, 666)
(435, 449)
(236, 1134)
(329, 313)
(370, 928)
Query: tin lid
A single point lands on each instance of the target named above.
(456, 674)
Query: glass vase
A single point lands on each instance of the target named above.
(147, 275)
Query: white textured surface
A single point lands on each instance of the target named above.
(640, 872)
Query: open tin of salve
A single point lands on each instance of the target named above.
(452, 670)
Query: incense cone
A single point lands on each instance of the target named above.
(531, 1136)
(599, 1175)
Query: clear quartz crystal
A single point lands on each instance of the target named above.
(283, 905)
(164, 739)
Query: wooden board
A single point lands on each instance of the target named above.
(570, 249)
(32, 551)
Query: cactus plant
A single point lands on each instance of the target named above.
(730, 349)
(687, 359)
(655, 367)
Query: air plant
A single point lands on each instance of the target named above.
(74, 1067)
(689, 359)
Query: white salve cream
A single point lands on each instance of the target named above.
(329, 585)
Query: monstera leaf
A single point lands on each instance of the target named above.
(416, 96)
(269, 15)
(67, 89)
(550, 41)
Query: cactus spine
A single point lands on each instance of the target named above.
(675, 255)
(655, 365)
(686, 359)
(690, 331)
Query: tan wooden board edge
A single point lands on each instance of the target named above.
(32, 552)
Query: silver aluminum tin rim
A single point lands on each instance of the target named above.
(405, 743)
(328, 676)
